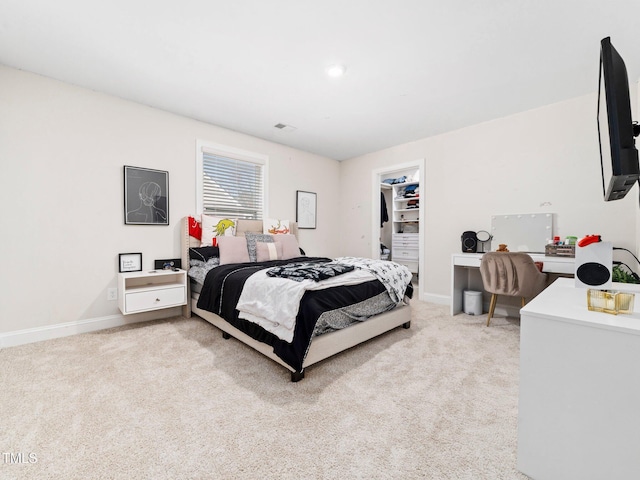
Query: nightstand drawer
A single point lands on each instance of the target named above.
(156, 298)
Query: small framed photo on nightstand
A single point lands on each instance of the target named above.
(130, 262)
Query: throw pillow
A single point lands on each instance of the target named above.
(215, 227)
(290, 248)
(195, 230)
(268, 251)
(275, 226)
(203, 253)
(252, 238)
(233, 250)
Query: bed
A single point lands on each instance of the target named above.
(306, 348)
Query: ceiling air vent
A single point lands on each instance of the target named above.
(284, 128)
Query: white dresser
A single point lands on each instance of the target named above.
(405, 249)
(578, 414)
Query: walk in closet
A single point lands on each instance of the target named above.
(400, 217)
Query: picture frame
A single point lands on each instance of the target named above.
(306, 209)
(146, 196)
(130, 262)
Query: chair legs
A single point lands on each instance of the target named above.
(492, 307)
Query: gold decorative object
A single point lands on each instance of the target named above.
(610, 301)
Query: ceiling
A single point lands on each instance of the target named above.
(415, 68)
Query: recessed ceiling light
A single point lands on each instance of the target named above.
(336, 70)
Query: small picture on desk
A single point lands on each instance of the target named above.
(130, 262)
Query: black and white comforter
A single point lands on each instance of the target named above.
(273, 301)
(223, 288)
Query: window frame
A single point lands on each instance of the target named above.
(203, 147)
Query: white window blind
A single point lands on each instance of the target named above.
(232, 187)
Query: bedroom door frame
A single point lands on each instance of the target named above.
(377, 176)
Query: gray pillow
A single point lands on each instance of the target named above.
(252, 238)
(199, 269)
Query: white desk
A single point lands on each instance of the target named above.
(579, 403)
(465, 273)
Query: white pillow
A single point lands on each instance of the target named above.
(275, 226)
(290, 247)
(214, 227)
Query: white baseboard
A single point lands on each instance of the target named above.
(48, 332)
(502, 310)
(435, 298)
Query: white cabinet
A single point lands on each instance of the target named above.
(405, 249)
(151, 290)
(405, 217)
(579, 388)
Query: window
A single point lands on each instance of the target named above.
(230, 182)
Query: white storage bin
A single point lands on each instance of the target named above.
(472, 302)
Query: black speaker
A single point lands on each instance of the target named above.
(469, 242)
(594, 265)
(167, 264)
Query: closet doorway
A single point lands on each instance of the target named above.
(403, 233)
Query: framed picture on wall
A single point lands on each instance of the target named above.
(146, 196)
(306, 209)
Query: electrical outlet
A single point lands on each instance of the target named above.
(112, 293)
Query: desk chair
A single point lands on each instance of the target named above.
(510, 273)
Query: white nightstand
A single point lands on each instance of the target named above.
(151, 290)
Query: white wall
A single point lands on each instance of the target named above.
(62, 151)
(540, 161)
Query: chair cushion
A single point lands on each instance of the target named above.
(511, 273)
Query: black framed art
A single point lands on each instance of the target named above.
(130, 262)
(146, 196)
(306, 209)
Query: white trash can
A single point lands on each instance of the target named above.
(472, 302)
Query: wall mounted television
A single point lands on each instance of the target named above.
(616, 129)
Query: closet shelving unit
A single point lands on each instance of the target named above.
(402, 215)
(405, 224)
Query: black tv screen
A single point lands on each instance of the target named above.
(616, 130)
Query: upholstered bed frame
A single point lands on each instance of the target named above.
(322, 346)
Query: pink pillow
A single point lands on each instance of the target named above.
(233, 250)
(290, 248)
(268, 251)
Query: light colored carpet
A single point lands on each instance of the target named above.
(173, 399)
